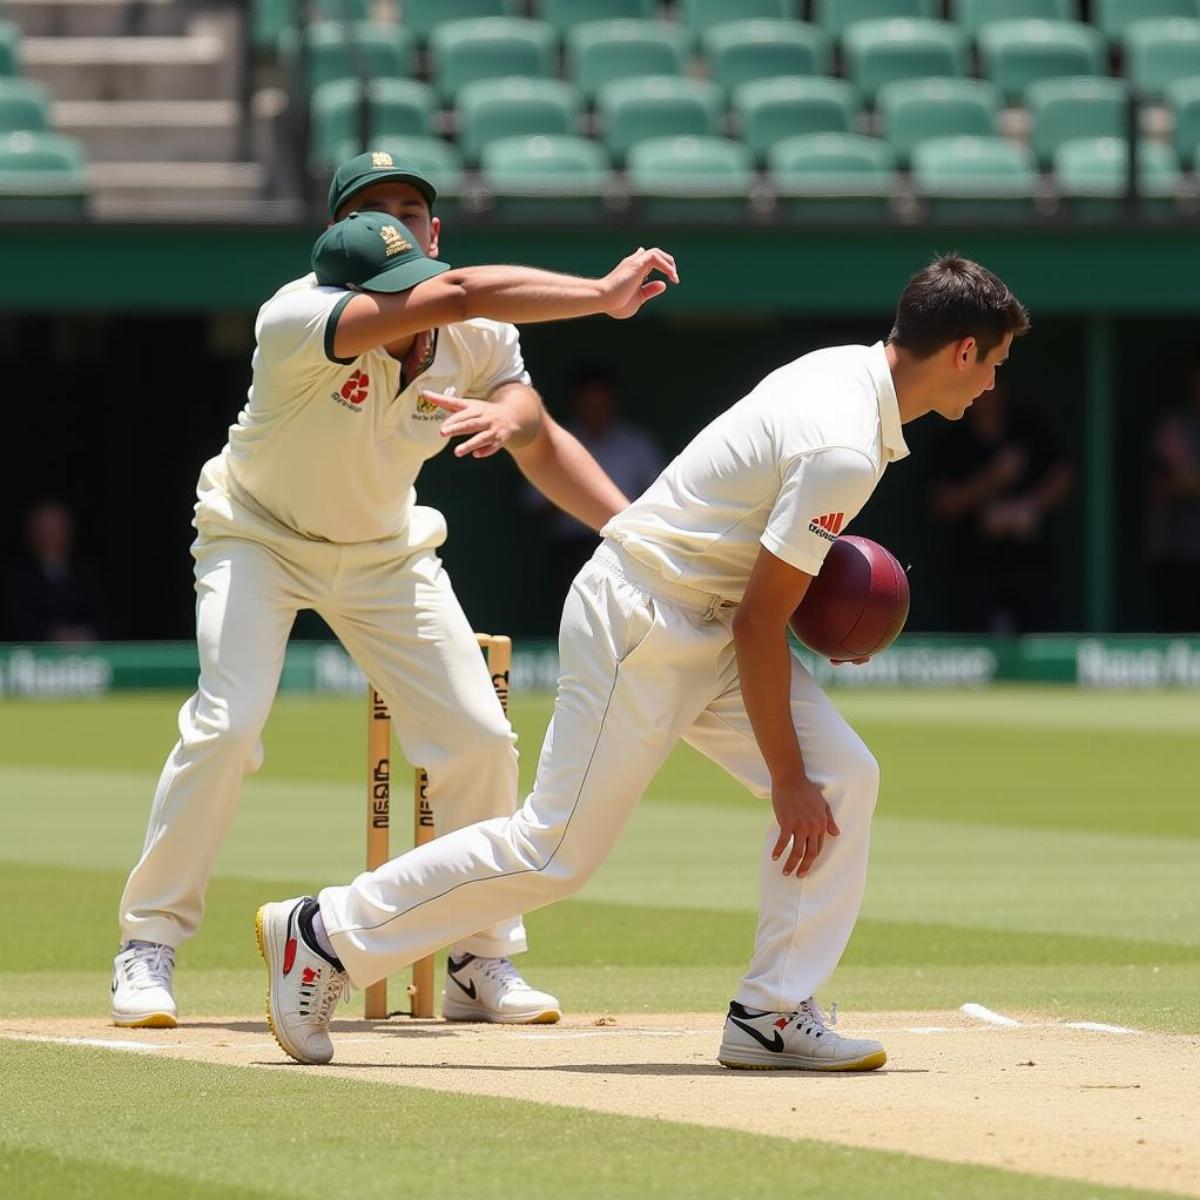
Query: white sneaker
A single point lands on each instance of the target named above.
(798, 1041)
(141, 987)
(303, 986)
(491, 989)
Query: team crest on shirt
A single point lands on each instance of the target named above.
(353, 392)
(427, 408)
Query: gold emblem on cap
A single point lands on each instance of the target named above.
(381, 159)
(394, 240)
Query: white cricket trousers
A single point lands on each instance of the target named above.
(643, 664)
(400, 621)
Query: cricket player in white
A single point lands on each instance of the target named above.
(677, 629)
(363, 370)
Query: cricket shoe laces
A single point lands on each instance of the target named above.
(319, 996)
(502, 972)
(148, 965)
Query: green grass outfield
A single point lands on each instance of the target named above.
(1034, 849)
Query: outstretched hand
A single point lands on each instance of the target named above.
(628, 285)
(489, 426)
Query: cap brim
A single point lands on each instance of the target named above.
(385, 176)
(404, 276)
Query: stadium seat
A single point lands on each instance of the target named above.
(1014, 54)
(973, 15)
(420, 16)
(323, 54)
(335, 10)
(1183, 99)
(974, 178)
(1091, 176)
(564, 15)
(269, 18)
(1065, 109)
(10, 49)
(832, 176)
(43, 174)
(602, 51)
(24, 104)
(396, 106)
(739, 51)
(915, 110)
(1159, 52)
(632, 110)
(699, 16)
(1114, 16)
(432, 157)
(836, 16)
(489, 48)
(546, 178)
(768, 110)
(879, 52)
(492, 109)
(682, 178)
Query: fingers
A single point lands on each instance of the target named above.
(780, 845)
(485, 439)
(831, 826)
(799, 845)
(449, 403)
(655, 287)
(464, 423)
(660, 260)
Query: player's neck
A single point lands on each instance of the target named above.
(914, 395)
(399, 349)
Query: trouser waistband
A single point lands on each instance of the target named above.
(617, 562)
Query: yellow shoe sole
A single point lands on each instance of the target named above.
(149, 1021)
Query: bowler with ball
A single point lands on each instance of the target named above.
(678, 629)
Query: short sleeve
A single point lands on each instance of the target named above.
(295, 331)
(497, 358)
(822, 492)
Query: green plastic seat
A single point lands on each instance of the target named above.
(437, 160)
(546, 177)
(974, 178)
(739, 51)
(324, 53)
(1063, 110)
(632, 110)
(10, 49)
(1015, 54)
(1115, 16)
(1183, 99)
(24, 104)
(879, 52)
(336, 10)
(395, 106)
(768, 110)
(699, 16)
(916, 110)
(421, 16)
(492, 109)
(832, 176)
(1091, 176)
(973, 15)
(690, 178)
(489, 48)
(602, 51)
(268, 19)
(564, 15)
(42, 174)
(1159, 52)
(836, 16)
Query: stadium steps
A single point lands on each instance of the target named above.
(165, 189)
(141, 130)
(96, 18)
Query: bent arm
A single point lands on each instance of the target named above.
(567, 475)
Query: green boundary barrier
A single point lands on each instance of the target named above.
(914, 662)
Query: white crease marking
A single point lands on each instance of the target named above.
(103, 1043)
(979, 1013)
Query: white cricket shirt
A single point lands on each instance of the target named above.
(787, 467)
(331, 448)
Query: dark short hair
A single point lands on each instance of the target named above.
(954, 298)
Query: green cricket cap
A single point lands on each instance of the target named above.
(376, 166)
(372, 251)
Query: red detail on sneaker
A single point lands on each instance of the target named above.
(782, 1023)
(311, 976)
(289, 956)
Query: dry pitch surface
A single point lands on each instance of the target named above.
(1037, 1096)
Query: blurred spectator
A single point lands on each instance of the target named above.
(998, 478)
(49, 594)
(628, 454)
(1175, 523)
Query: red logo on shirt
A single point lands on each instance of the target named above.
(827, 526)
(355, 388)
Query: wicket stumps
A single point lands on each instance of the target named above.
(498, 650)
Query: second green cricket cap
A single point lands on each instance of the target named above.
(372, 251)
(376, 166)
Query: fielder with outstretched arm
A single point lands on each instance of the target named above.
(677, 629)
(363, 370)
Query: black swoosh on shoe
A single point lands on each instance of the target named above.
(762, 1040)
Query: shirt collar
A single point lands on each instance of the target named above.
(889, 407)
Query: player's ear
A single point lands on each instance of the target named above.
(964, 354)
(435, 230)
